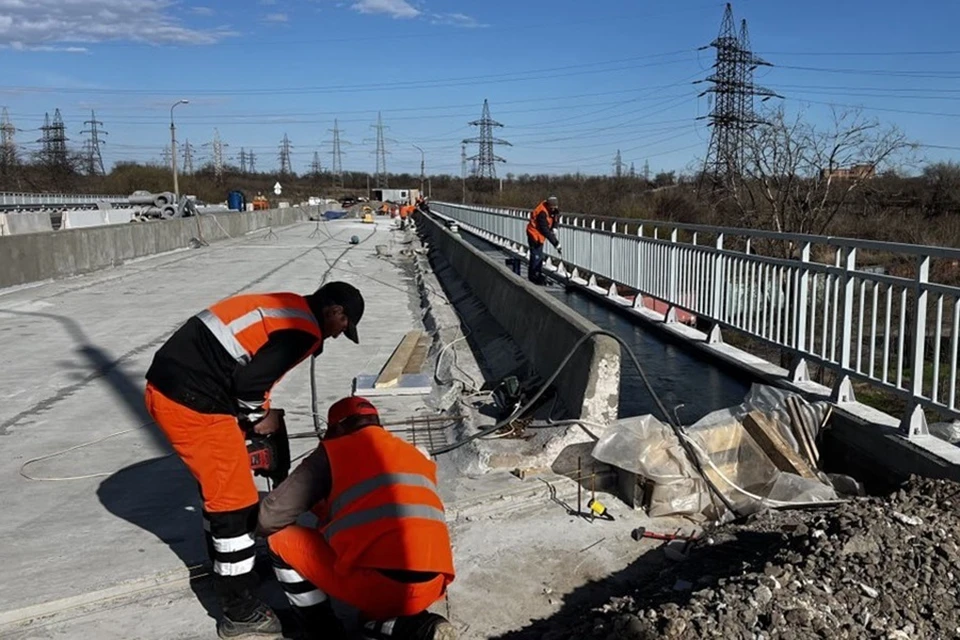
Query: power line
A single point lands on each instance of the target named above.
(337, 154)
(8, 144)
(733, 92)
(285, 166)
(188, 152)
(92, 146)
(486, 160)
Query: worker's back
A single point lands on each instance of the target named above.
(384, 510)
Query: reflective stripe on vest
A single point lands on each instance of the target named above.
(383, 512)
(226, 334)
(377, 482)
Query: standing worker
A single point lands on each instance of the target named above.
(543, 221)
(405, 211)
(382, 544)
(208, 390)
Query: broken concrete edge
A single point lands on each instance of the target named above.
(544, 328)
(47, 255)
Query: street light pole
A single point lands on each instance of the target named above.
(422, 164)
(173, 150)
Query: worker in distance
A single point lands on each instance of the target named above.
(382, 544)
(544, 220)
(208, 389)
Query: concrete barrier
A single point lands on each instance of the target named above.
(543, 328)
(56, 254)
(13, 224)
(80, 219)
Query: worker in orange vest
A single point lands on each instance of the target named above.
(405, 212)
(208, 389)
(381, 545)
(541, 228)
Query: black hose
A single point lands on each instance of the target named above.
(688, 449)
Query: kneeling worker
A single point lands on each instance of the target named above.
(541, 228)
(382, 545)
(209, 390)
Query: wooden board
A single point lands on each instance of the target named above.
(419, 355)
(391, 372)
(765, 433)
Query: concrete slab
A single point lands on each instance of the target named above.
(74, 354)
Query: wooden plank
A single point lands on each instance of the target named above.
(764, 432)
(799, 429)
(419, 355)
(391, 372)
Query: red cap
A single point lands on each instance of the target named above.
(349, 407)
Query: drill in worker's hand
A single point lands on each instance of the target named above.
(270, 454)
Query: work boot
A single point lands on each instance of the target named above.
(262, 623)
(423, 626)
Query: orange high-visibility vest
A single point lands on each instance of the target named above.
(384, 511)
(532, 231)
(243, 324)
(406, 210)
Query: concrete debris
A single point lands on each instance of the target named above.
(865, 576)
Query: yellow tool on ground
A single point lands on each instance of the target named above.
(367, 218)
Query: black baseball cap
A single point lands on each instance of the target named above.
(348, 297)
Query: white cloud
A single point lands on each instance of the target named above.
(276, 17)
(392, 8)
(30, 24)
(456, 20)
(201, 11)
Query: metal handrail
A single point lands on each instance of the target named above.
(893, 332)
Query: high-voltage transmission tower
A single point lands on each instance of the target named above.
(633, 171)
(315, 167)
(285, 164)
(381, 152)
(8, 145)
(252, 162)
(91, 148)
(485, 162)
(54, 141)
(337, 154)
(216, 147)
(188, 152)
(243, 161)
(733, 93)
(165, 156)
(618, 165)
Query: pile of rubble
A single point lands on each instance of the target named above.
(871, 568)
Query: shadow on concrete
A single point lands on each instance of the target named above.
(652, 582)
(158, 495)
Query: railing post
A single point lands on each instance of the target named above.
(803, 298)
(849, 265)
(718, 284)
(672, 271)
(914, 422)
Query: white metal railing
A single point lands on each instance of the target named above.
(824, 302)
(56, 199)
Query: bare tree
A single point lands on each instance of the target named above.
(798, 177)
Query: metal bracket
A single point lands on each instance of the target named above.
(592, 282)
(799, 372)
(613, 292)
(638, 301)
(843, 391)
(914, 423)
(576, 274)
(670, 317)
(715, 336)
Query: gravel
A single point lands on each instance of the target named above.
(874, 568)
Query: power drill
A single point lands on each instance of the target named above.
(270, 454)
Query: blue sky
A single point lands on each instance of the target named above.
(572, 80)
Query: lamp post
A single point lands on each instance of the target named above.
(422, 164)
(173, 149)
